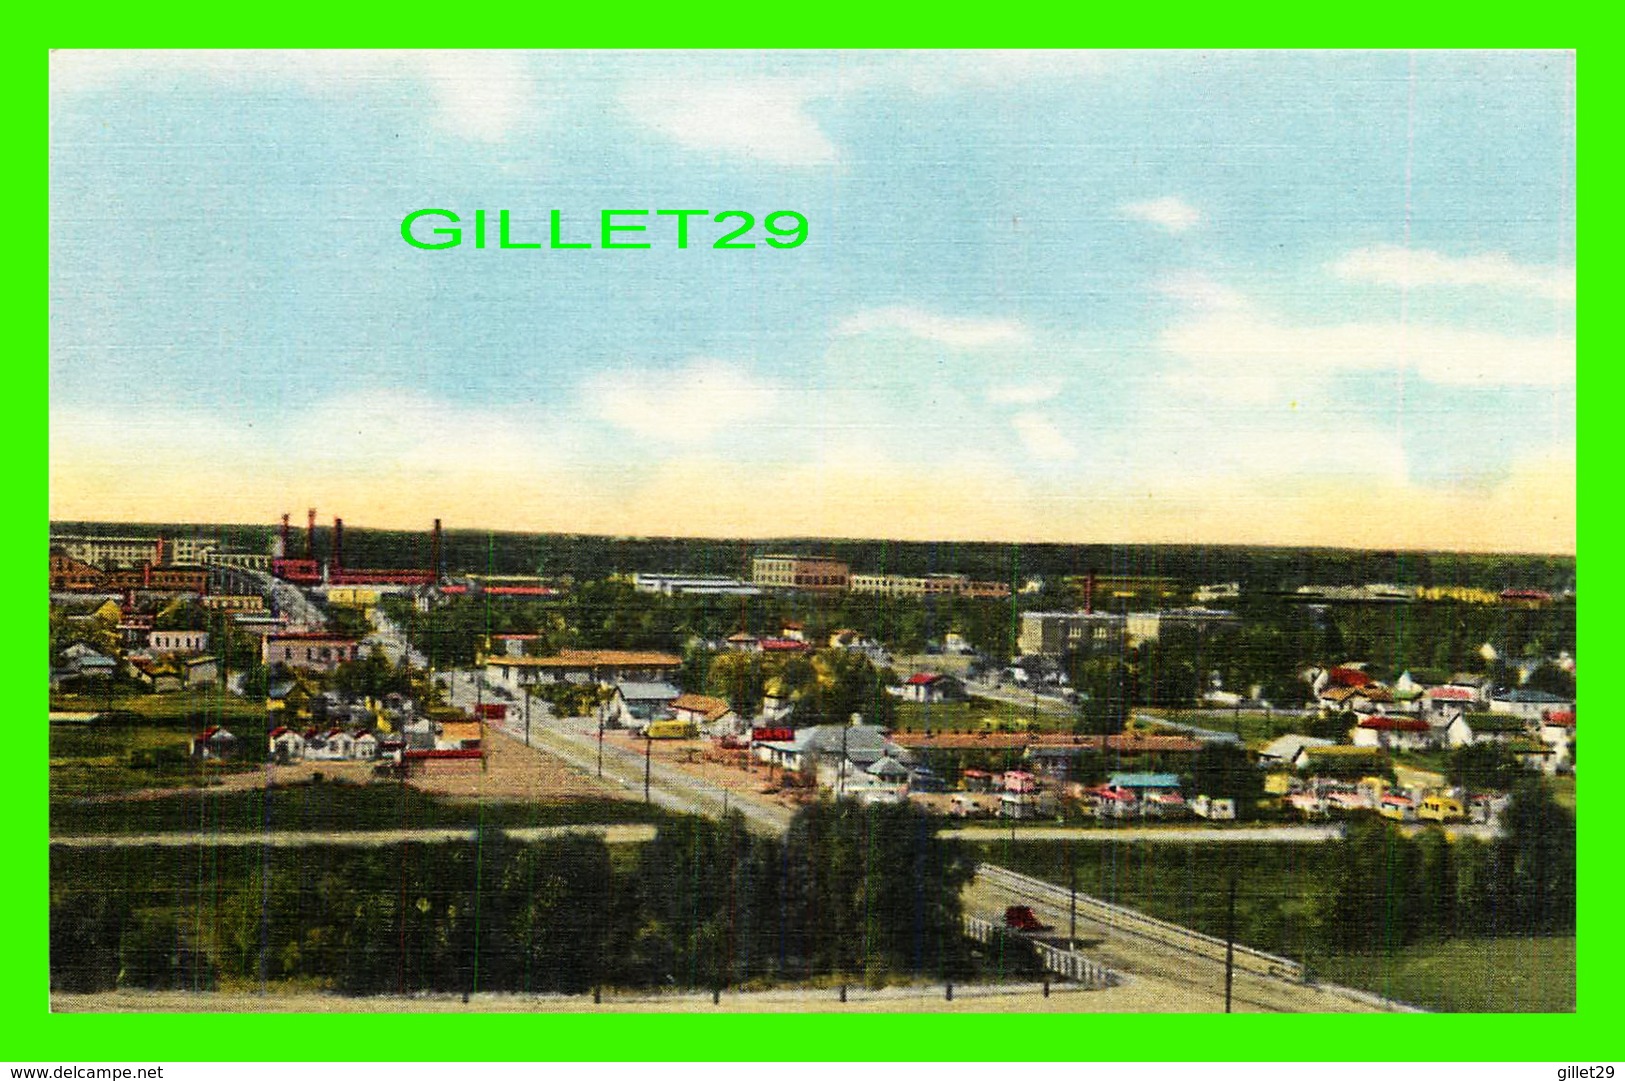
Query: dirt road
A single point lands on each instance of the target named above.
(617, 834)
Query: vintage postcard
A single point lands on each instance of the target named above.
(812, 531)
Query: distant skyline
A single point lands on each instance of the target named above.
(1254, 298)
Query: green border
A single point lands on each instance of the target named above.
(33, 1034)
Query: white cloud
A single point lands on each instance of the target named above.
(482, 95)
(760, 119)
(1170, 212)
(1406, 268)
(956, 331)
(1042, 438)
(1254, 346)
(1029, 393)
(1203, 293)
(691, 404)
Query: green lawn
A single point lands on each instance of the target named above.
(1494, 975)
(183, 708)
(99, 759)
(968, 716)
(1253, 726)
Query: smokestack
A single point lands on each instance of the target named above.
(338, 544)
(434, 551)
(310, 533)
(282, 551)
(160, 559)
(1089, 592)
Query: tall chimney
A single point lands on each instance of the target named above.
(434, 551)
(160, 556)
(338, 544)
(310, 533)
(1089, 592)
(282, 552)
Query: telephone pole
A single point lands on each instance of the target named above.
(1230, 944)
(648, 745)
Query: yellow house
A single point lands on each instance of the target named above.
(1441, 809)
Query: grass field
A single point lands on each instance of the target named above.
(328, 807)
(99, 759)
(1497, 975)
(1255, 727)
(968, 716)
(182, 709)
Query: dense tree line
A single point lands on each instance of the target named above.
(851, 892)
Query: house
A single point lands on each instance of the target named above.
(1110, 801)
(159, 676)
(334, 744)
(1446, 700)
(1054, 763)
(1479, 685)
(955, 643)
(286, 745)
(178, 641)
(1336, 699)
(1146, 785)
(1339, 760)
(1529, 705)
(313, 651)
(1019, 781)
(1214, 810)
(838, 752)
(1392, 733)
(930, 687)
(363, 745)
(713, 715)
(1467, 729)
(743, 642)
(1284, 750)
(782, 646)
(459, 736)
(81, 662)
(1557, 732)
(213, 743)
(604, 666)
(200, 672)
(635, 705)
(795, 632)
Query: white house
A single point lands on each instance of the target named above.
(1530, 705)
(364, 745)
(1393, 733)
(930, 687)
(1446, 700)
(286, 745)
(178, 641)
(634, 705)
(1472, 728)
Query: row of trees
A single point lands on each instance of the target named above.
(860, 893)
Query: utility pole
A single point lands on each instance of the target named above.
(648, 745)
(1230, 944)
(1072, 873)
(600, 740)
(528, 697)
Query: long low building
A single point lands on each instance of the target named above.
(582, 666)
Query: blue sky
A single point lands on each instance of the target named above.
(1318, 298)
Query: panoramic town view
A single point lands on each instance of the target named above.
(752, 531)
(297, 760)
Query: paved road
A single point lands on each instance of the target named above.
(618, 834)
(1178, 834)
(575, 741)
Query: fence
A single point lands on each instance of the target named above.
(1066, 962)
(1131, 922)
